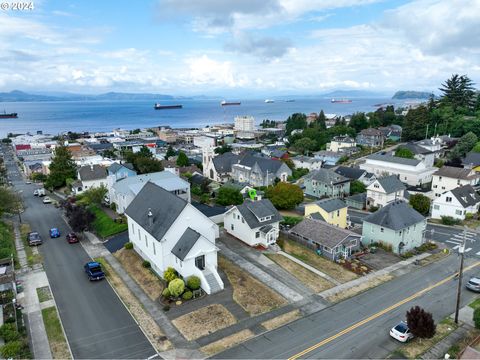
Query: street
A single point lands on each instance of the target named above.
(359, 327)
(96, 322)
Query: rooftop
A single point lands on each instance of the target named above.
(456, 173)
(394, 159)
(330, 205)
(396, 215)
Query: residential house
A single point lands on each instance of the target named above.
(333, 211)
(256, 223)
(434, 144)
(456, 203)
(396, 224)
(420, 153)
(448, 178)
(392, 132)
(123, 192)
(326, 183)
(341, 142)
(384, 191)
(168, 231)
(410, 171)
(120, 171)
(357, 201)
(218, 168)
(279, 154)
(472, 161)
(363, 176)
(328, 240)
(90, 176)
(371, 137)
(306, 162)
(259, 171)
(328, 158)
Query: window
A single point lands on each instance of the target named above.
(154, 251)
(440, 178)
(338, 212)
(435, 186)
(146, 241)
(436, 207)
(257, 234)
(381, 229)
(139, 237)
(448, 199)
(458, 212)
(232, 227)
(243, 220)
(133, 228)
(376, 186)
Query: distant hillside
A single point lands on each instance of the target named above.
(400, 95)
(17, 95)
(353, 94)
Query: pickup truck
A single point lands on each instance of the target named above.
(94, 271)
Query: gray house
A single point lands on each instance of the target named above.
(260, 171)
(328, 240)
(396, 224)
(371, 137)
(324, 182)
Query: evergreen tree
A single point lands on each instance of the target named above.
(359, 121)
(464, 145)
(295, 121)
(61, 168)
(420, 323)
(182, 159)
(415, 123)
(458, 92)
(170, 152)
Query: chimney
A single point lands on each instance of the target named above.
(150, 217)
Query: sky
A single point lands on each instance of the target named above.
(238, 47)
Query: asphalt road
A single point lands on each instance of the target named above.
(96, 322)
(371, 338)
(446, 234)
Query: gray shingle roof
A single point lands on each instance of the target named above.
(394, 159)
(371, 132)
(185, 243)
(416, 149)
(391, 184)
(330, 205)
(326, 176)
(116, 166)
(223, 163)
(253, 210)
(265, 165)
(165, 207)
(456, 173)
(322, 232)
(362, 197)
(92, 172)
(466, 195)
(265, 229)
(397, 215)
(349, 172)
(317, 216)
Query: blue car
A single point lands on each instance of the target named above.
(54, 233)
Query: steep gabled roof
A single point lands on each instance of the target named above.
(330, 205)
(223, 163)
(165, 208)
(466, 195)
(456, 173)
(252, 211)
(326, 176)
(349, 172)
(92, 172)
(185, 243)
(416, 149)
(391, 184)
(265, 164)
(471, 159)
(397, 215)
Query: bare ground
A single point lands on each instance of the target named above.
(132, 263)
(251, 294)
(281, 320)
(308, 278)
(204, 321)
(227, 342)
(345, 294)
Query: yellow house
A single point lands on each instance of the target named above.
(332, 211)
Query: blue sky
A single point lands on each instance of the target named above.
(238, 47)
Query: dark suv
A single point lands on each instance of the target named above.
(34, 238)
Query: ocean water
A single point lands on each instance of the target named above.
(60, 116)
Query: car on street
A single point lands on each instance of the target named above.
(54, 233)
(35, 193)
(34, 238)
(28, 182)
(473, 284)
(401, 332)
(72, 238)
(47, 200)
(94, 271)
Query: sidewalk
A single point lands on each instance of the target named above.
(439, 350)
(29, 299)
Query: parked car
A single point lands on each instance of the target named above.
(41, 192)
(473, 284)
(401, 332)
(35, 193)
(34, 238)
(72, 238)
(47, 200)
(54, 233)
(94, 271)
(28, 182)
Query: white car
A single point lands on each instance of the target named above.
(401, 332)
(47, 200)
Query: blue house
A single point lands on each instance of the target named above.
(121, 171)
(329, 158)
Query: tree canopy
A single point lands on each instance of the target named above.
(228, 195)
(143, 161)
(10, 201)
(182, 159)
(284, 195)
(420, 323)
(61, 168)
(404, 153)
(295, 121)
(223, 149)
(420, 203)
(357, 187)
(464, 145)
(458, 92)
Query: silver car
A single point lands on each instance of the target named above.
(474, 284)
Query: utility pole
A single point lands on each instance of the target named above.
(426, 132)
(461, 250)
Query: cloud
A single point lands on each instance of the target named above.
(263, 47)
(206, 71)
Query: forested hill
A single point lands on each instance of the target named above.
(411, 95)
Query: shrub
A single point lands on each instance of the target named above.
(113, 206)
(373, 209)
(187, 295)
(146, 264)
(176, 287)
(420, 323)
(448, 220)
(9, 333)
(468, 216)
(291, 220)
(476, 317)
(15, 350)
(166, 307)
(166, 293)
(170, 274)
(194, 282)
(128, 246)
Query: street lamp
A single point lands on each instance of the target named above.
(461, 250)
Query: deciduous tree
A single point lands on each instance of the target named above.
(228, 195)
(284, 195)
(420, 203)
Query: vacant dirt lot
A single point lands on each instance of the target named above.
(248, 292)
(204, 321)
(132, 263)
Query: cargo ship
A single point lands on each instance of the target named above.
(228, 103)
(341, 101)
(158, 106)
(8, 116)
(269, 101)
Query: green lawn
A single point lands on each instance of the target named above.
(7, 243)
(31, 257)
(103, 225)
(56, 338)
(475, 304)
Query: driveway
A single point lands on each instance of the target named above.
(116, 242)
